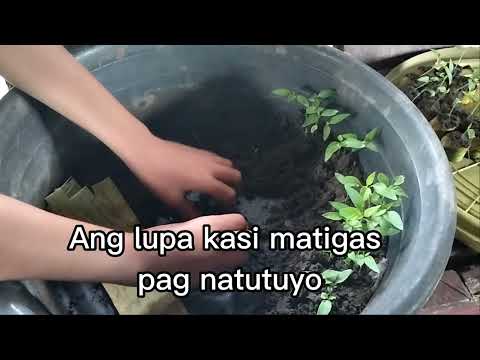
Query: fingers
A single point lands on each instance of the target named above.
(219, 191)
(224, 222)
(185, 207)
(228, 222)
(217, 158)
(228, 175)
(222, 161)
(211, 155)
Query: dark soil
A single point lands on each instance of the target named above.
(440, 106)
(288, 186)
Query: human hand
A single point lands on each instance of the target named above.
(170, 170)
(192, 262)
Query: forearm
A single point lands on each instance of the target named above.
(53, 76)
(33, 245)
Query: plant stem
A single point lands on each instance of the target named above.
(421, 85)
(462, 87)
(426, 72)
(459, 60)
(420, 93)
(473, 111)
(453, 108)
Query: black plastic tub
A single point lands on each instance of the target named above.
(177, 88)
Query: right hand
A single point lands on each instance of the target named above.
(171, 170)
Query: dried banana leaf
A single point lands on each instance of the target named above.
(113, 205)
(104, 205)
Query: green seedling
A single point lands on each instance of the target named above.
(437, 80)
(369, 206)
(473, 78)
(469, 133)
(327, 302)
(317, 109)
(361, 258)
(351, 141)
(332, 278)
(471, 97)
(453, 85)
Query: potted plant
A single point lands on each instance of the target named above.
(445, 86)
(220, 98)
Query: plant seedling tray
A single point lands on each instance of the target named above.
(467, 172)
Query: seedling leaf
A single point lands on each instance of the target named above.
(302, 100)
(353, 143)
(336, 277)
(380, 212)
(326, 132)
(470, 134)
(355, 196)
(327, 93)
(394, 218)
(371, 146)
(372, 211)
(329, 112)
(338, 118)
(399, 180)
(383, 178)
(332, 216)
(324, 308)
(311, 119)
(385, 191)
(281, 92)
(338, 205)
(371, 135)
(343, 275)
(366, 194)
(399, 191)
(371, 264)
(371, 178)
(348, 136)
(388, 231)
(375, 198)
(350, 213)
(332, 148)
(347, 180)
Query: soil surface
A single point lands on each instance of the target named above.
(442, 111)
(288, 186)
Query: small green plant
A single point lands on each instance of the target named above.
(437, 79)
(471, 97)
(469, 133)
(360, 258)
(351, 141)
(369, 206)
(317, 107)
(448, 94)
(332, 279)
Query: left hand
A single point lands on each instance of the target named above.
(170, 170)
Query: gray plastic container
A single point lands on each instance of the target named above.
(175, 88)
